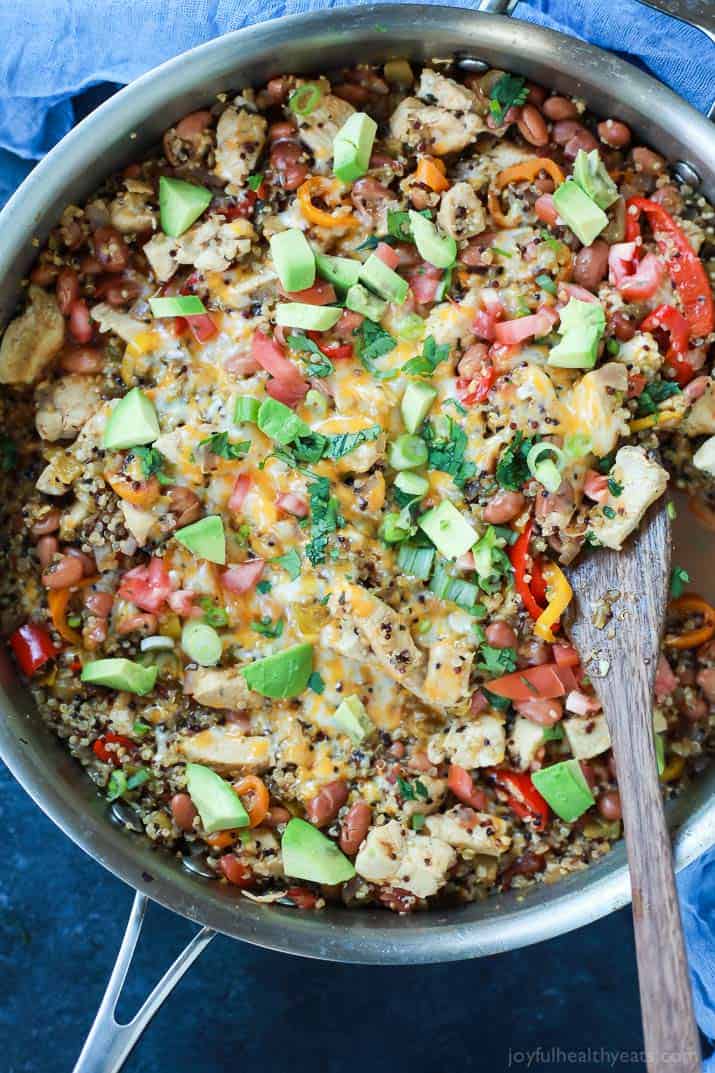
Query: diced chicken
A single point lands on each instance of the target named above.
(428, 798)
(523, 743)
(641, 355)
(65, 405)
(434, 88)
(31, 340)
(642, 482)
(478, 743)
(240, 137)
(481, 168)
(464, 828)
(595, 406)
(587, 735)
(160, 252)
(58, 474)
(317, 129)
(431, 129)
(700, 420)
(704, 457)
(451, 323)
(130, 211)
(219, 688)
(390, 855)
(211, 246)
(448, 670)
(461, 213)
(247, 286)
(263, 854)
(139, 522)
(113, 320)
(226, 748)
(383, 631)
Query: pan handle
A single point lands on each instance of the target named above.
(109, 1043)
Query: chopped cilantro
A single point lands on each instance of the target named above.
(614, 487)
(267, 627)
(320, 364)
(605, 464)
(678, 580)
(138, 779)
(609, 512)
(431, 356)
(457, 405)
(373, 342)
(420, 789)
(418, 821)
(290, 563)
(264, 586)
(151, 462)
(316, 683)
(315, 446)
(502, 704)
(509, 91)
(655, 393)
(117, 785)
(446, 446)
(338, 446)
(512, 470)
(140, 728)
(8, 454)
(398, 224)
(255, 180)
(325, 518)
(496, 661)
(490, 561)
(551, 242)
(219, 444)
(213, 615)
(406, 789)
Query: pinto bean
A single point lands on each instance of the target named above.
(90, 266)
(565, 129)
(669, 197)
(142, 622)
(500, 635)
(282, 131)
(706, 681)
(67, 290)
(397, 749)
(546, 210)
(609, 805)
(184, 811)
(419, 761)
(648, 162)
(591, 265)
(537, 94)
(559, 108)
(276, 814)
(348, 91)
(88, 564)
(354, 827)
(285, 158)
(185, 505)
(47, 547)
(192, 126)
(366, 195)
(581, 140)
(533, 653)
(622, 327)
(95, 633)
(43, 274)
(614, 133)
(63, 573)
(81, 359)
(503, 507)
(48, 523)
(278, 89)
(80, 322)
(368, 78)
(473, 253)
(324, 807)
(99, 603)
(532, 126)
(419, 197)
(110, 249)
(118, 293)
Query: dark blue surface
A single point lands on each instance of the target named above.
(241, 1008)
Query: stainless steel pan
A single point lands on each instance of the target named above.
(118, 132)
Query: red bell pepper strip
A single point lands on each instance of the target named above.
(671, 320)
(202, 326)
(524, 799)
(522, 564)
(687, 271)
(544, 682)
(32, 647)
(110, 756)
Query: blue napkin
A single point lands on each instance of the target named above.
(60, 56)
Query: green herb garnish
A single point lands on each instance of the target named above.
(316, 683)
(496, 661)
(219, 444)
(373, 342)
(678, 580)
(213, 614)
(446, 448)
(290, 563)
(267, 627)
(512, 470)
(509, 91)
(655, 393)
(432, 355)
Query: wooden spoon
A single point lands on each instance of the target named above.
(621, 660)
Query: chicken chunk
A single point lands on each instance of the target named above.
(317, 129)
(210, 246)
(434, 88)
(380, 854)
(138, 522)
(464, 828)
(160, 252)
(641, 355)
(383, 631)
(642, 482)
(461, 213)
(587, 735)
(227, 748)
(32, 340)
(130, 211)
(595, 406)
(240, 137)
(219, 688)
(523, 743)
(448, 670)
(113, 320)
(415, 863)
(65, 405)
(478, 743)
(428, 798)
(700, 420)
(430, 129)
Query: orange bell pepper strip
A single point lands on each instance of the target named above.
(141, 494)
(692, 604)
(57, 603)
(526, 171)
(432, 173)
(316, 186)
(255, 798)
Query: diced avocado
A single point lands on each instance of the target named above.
(438, 250)
(310, 318)
(284, 674)
(582, 325)
(294, 260)
(579, 212)
(180, 204)
(353, 720)
(563, 786)
(590, 173)
(278, 421)
(205, 538)
(121, 674)
(342, 272)
(416, 404)
(218, 805)
(352, 147)
(132, 422)
(201, 643)
(360, 300)
(246, 410)
(178, 305)
(448, 530)
(412, 484)
(384, 280)
(308, 854)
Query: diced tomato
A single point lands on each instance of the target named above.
(321, 293)
(524, 799)
(645, 281)
(240, 490)
(636, 385)
(302, 898)
(478, 703)
(545, 713)
(181, 601)
(32, 647)
(665, 681)
(471, 390)
(147, 586)
(290, 503)
(202, 326)
(337, 351)
(244, 206)
(565, 655)
(241, 364)
(287, 393)
(483, 325)
(461, 784)
(387, 255)
(511, 332)
(269, 355)
(348, 324)
(543, 682)
(102, 748)
(596, 486)
(179, 327)
(572, 290)
(236, 872)
(424, 282)
(244, 577)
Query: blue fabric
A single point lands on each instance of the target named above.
(56, 50)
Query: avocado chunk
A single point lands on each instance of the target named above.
(179, 305)
(448, 530)
(353, 720)
(205, 538)
(438, 250)
(310, 318)
(352, 147)
(132, 422)
(416, 404)
(122, 674)
(582, 325)
(180, 204)
(278, 421)
(383, 280)
(284, 674)
(308, 854)
(360, 300)
(201, 643)
(563, 786)
(294, 260)
(342, 272)
(218, 805)
(579, 212)
(590, 173)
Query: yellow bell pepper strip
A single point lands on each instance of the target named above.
(431, 173)
(691, 604)
(526, 171)
(316, 186)
(661, 418)
(559, 594)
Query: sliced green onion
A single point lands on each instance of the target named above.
(412, 484)
(417, 562)
(304, 99)
(546, 283)
(546, 470)
(180, 305)
(74, 620)
(613, 346)
(138, 778)
(411, 327)
(317, 401)
(577, 445)
(201, 643)
(246, 410)
(117, 785)
(462, 593)
(408, 452)
(443, 286)
(392, 529)
(157, 643)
